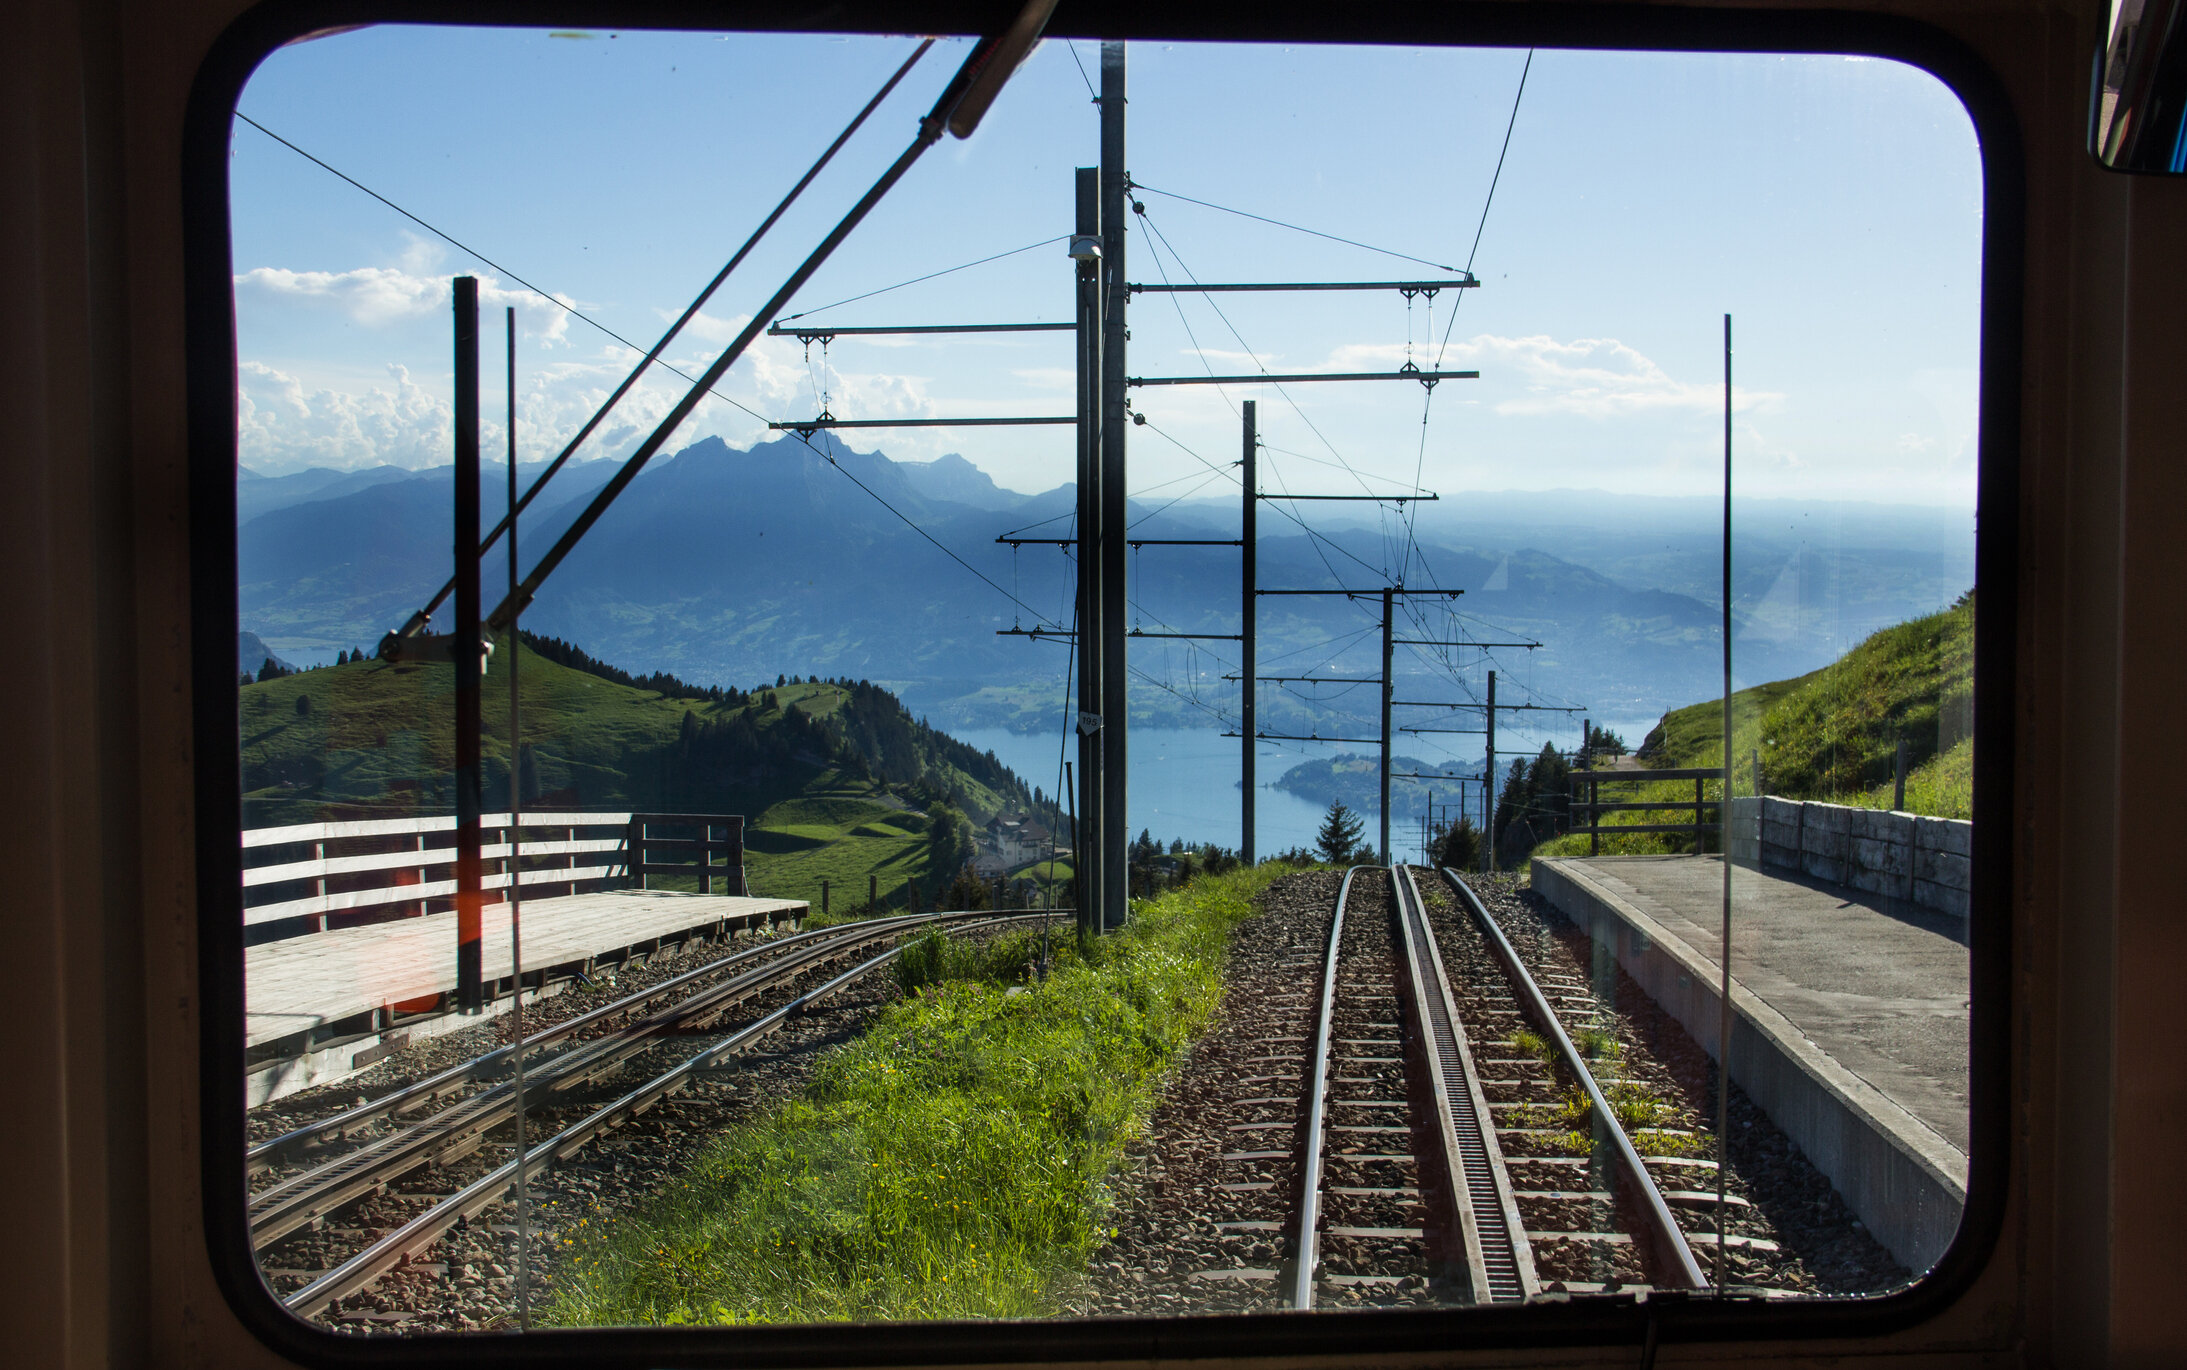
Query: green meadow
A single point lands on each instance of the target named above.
(1832, 734)
(951, 1163)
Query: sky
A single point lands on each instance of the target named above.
(1832, 205)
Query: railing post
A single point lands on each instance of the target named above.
(1594, 816)
(634, 850)
(736, 856)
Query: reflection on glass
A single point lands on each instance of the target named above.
(777, 759)
(2141, 91)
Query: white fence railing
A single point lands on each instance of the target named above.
(306, 874)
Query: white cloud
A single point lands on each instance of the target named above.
(379, 296)
(284, 427)
(1597, 378)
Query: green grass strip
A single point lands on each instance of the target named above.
(951, 1163)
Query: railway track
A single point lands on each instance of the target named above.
(553, 1085)
(1402, 1154)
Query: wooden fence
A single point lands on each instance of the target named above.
(695, 838)
(1587, 801)
(308, 877)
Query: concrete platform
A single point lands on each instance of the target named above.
(319, 1002)
(1850, 1018)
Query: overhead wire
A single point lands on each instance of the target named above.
(1254, 355)
(1479, 228)
(1295, 228)
(650, 357)
(587, 319)
(929, 276)
(1072, 48)
(1205, 481)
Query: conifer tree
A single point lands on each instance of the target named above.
(1338, 839)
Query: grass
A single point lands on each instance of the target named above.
(1645, 1115)
(374, 738)
(1830, 735)
(948, 1164)
(1833, 734)
(1639, 790)
(1941, 787)
(1009, 959)
(839, 833)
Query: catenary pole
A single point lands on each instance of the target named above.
(1115, 701)
(1488, 779)
(1389, 599)
(1086, 846)
(515, 867)
(1723, 945)
(1250, 481)
(463, 655)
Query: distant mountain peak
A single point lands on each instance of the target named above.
(957, 480)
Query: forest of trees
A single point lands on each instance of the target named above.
(1535, 805)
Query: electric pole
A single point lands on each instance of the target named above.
(464, 654)
(1251, 482)
(1388, 600)
(1488, 777)
(1115, 698)
(1086, 844)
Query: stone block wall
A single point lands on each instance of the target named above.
(1898, 855)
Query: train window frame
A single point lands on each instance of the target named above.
(211, 381)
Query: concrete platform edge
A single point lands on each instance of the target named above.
(1907, 1184)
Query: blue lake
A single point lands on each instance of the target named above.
(1184, 781)
(1184, 784)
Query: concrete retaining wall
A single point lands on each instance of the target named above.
(1924, 861)
(1907, 1184)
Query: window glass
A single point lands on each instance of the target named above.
(858, 950)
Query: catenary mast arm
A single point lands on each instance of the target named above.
(418, 621)
(973, 88)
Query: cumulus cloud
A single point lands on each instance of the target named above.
(282, 426)
(1598, 378)
(379, 296)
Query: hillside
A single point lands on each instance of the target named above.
(1356, 781)
(1833, 733)
(835, 779)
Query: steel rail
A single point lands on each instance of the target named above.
(350, 1120)
(1665, 1240)
(1485, 1215)
(1308, 1258)
(458, 1130)
(362, 1269)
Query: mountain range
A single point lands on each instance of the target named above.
(732, 566)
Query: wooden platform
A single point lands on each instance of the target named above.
(306, 983)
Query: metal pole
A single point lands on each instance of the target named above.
(1115, 702)
(1078, 857)
(1898, 785)
(1723, 946)
(515, 869)
(1389, 598)
(463, 655)
(1488, 779)
(1091, 640)
(1248, 599)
